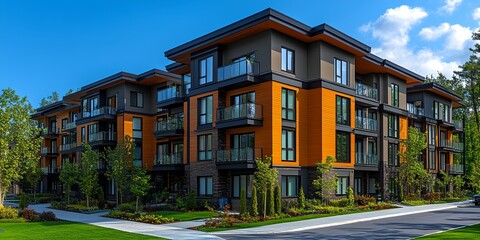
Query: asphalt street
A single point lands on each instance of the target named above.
(404, 227)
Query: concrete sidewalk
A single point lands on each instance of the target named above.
(340, 220)
(170, 231)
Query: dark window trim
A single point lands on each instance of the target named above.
(393, 154)
(394, 94)
(347, 135)
(198, 186)
(298, 179)
(206, 149)
(346, 187)
(287, 91)
(136, 99)
(340, 111)
(287, 60)
(347, 77)
(199, 114)
(287, 149)
(206, 70)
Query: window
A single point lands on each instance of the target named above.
(342, 184)
(137, 127)
(288, 60)
(242, 146)
(289, 186)
(93, 133)
(446, 113)
(112, 102)
(393, 154)
(242, 182)
(205, 147)
(187, 82)
(432, 161)
(64, 123)
(393, 126)
(343, 147)
(288, 104)
(371, 186)
(205, 186)
(341, 71)
(288, 145)
(358, 185)
(436, 110)
(392, 186)
(205, 110)
(136, 99)
(343, 110)
(206, 70)
(394, 94)
(84, 106)
(432, 134)
(82, 135)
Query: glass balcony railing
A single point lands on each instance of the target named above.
(367, 91)
(455, 168)
(240, 68)
(366, 123)
(238, 154)
(366, 159)
(168, 159)
(49, 131)
(49, 150)
(98, 112)
(70, 126)
(415, 110)
(452, 144)
(241, 111)
(67, 147)
(458, 124)
(102, 136)
(168, 93)
(169, 124)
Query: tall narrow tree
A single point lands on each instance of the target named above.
(69, 177)
(88, 172)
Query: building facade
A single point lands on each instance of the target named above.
(266, 85)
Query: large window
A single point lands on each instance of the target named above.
(393, 154)
(288, 104)
(394, 94)
(205, 112)
(82, 135)
(206, 70)
(205, 186)
(436, 110)
(205, 147)
(358, 185)
(136, 99)
(290, 186)
(93, 132)
(343, 147)
(342, 184)
(242, 146)
(288, 60)
(137, 127)
(432, 134)
(341, 71)
(242, 182)
(187, 82)
(393, 126)
(432, 160)
(343, 110)
(288, 145)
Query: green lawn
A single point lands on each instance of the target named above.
(62, 230)
(186, 216)
(470, 232)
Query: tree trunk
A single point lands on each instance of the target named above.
(136, 205)
(68, 195)
(474, 104)
(2, 195)
(264, 203)
(116, 194)
(88, 202)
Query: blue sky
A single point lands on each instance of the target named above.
(50, 46)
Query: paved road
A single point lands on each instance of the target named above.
(404, 227)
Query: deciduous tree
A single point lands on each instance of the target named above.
(88, 172)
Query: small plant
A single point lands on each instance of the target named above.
(30, 215)
(254, 203)
(23, 201)
(125, 207)
(243, 202)
(154, 219)
(8, 212)
(191, 203)
(207, 206)
(350, 196)
(301, 198)
(180, 203)
(48, 217)
(165, 194)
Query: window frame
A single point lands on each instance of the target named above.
(393, 126)
(206, 139)
(285, 185)
(347, 144)
(394, 95)
(285, 60)
(207, 179)
(338, 76)
(342, 102)
(392, 155)
(208, 112)
(248, 185)
(286, 110)
(137, 130)
(432, 159)
(208, 76)
(344, 188)
(285, 147)
(134, 97)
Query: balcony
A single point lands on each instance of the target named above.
(415, 111)
(51, 132)
(71, 126)
(103, 113)
(366, 161)
(366, 123)
(102, 138)
(238, 74)
(238, 158)
(168, 162)
(66, 148)
(248, 114)
(455, 168)
(366, 91)
(49, 151)
(458, 125)
(170, 96)
(451, 145)
(168, 128)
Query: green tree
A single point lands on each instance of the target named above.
(265, 177)
(444, 182)
(88, 172)
(140, 184)
(243, 202)
(119, 166)
(50, 99)
(412, 175)
(301, 198)
(326, 181)
(19, 144)
(350, 196)
(270, 202)
(457, 186)
(278, 200)
(69, 177)
(254, 202)
(33, 177)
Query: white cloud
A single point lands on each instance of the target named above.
(392, 30)
(476, 14)
(450, 6)
(456, 35)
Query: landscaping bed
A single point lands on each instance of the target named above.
(78, 208)
(432, 198)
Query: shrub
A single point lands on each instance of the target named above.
(278, 200)
(153, 219)
(180, 203)
(362, 200)
(243, 202)
(254, 203)
(344, 202)
(8, 212)
(30, 215)
(350, 196)
(435, 196)
(260, 200)
(59, 205)
(191, 202)
(293, 212)
(125, 207)
(301, 198)
(48, 217)
(165, 194)
(23, 201)
(270, 202)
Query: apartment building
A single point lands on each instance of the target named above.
(266, 85)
